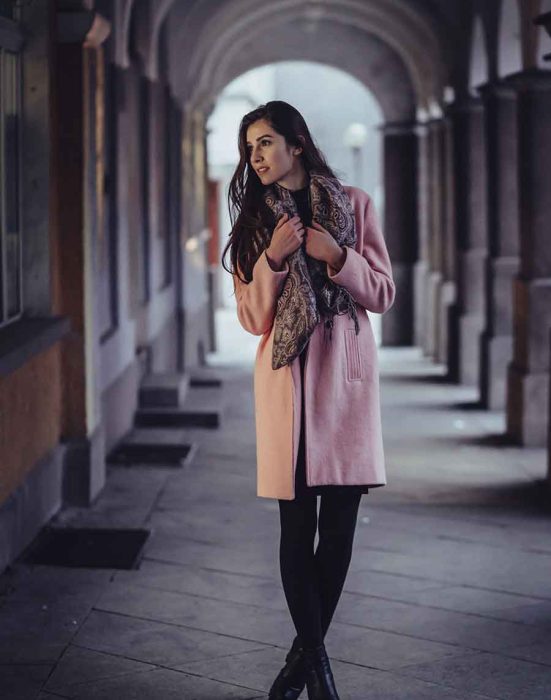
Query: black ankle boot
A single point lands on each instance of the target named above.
(291, 680)
(319, 677)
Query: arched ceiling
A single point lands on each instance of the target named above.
(213, 41)
(376, 66)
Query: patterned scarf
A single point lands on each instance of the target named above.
(308, 295)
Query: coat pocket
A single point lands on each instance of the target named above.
(353, 358)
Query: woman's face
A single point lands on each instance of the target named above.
(269, 154)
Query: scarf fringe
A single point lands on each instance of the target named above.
(328, 323)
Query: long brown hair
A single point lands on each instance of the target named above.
(252, 221)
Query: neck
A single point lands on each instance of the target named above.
(295, 179)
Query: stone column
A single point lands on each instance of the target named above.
(503, 241)
(545, 21)
(528, 373)
(467, 317)
(76, 192)
(435, 230)
(195, 295)
(422, 264)
(400, 226)
(448, 297)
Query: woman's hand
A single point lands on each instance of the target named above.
(321, 245)
(286, 238)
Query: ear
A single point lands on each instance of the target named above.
(298, 149)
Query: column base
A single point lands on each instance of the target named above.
(84, 471)
(434, 284)
(528, 375)
(453, 342)
(527, 406)
(472, 286)
(470, 329)
(448, 297)
(496, 347)
(397, 322)
(420, 271)
(495, 356)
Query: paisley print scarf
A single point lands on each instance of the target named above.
(308, 295)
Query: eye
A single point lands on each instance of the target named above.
(265, 141)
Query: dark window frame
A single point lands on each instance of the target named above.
(11, 42)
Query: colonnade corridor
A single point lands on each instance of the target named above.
(447, 596)
(142, 143)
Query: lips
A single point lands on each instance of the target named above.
(262, 170)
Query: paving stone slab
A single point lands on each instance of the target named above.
(353, 682)
(467, 599)
(381, 650)
(254, 559)
(540, 652)
(22, 681)
(490, 674)
(80, 665)
(507, 577)
(461, 629)
(536, 613)
(246, 622)
(164, 644)
(52, 584)
(157, 684)
(33, 633)
(394, 586)
(239, 588)
(480, 525)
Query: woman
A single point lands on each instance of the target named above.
(307, 259)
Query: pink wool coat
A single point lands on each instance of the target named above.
(343, 432)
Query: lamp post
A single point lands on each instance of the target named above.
(354, 138)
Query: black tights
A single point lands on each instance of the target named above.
(313, 582)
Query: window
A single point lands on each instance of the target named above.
(10, 184)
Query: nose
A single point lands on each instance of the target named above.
(255, 154)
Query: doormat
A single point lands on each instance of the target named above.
(205, 381)
(129, 453)
(96, 548)
(170, 418)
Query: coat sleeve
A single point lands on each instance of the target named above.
(367, 274)
(256, 301)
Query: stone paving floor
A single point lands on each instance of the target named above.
(448, 595)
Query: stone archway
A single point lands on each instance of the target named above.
(239, 27)
(391, 46)
(346, 100)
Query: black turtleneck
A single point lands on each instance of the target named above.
(303, 206)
